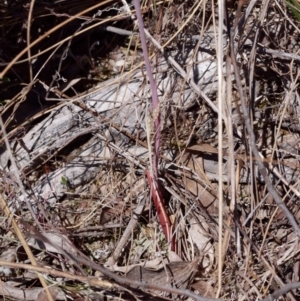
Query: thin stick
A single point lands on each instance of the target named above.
(261, 167)
(2, 74)
(24, 244)
(28, 38)
(42, 269)
(219, 49)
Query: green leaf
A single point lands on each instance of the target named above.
(64, 180)
(295, 7)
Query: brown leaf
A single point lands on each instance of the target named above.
(178, 274)
(203, 148)
(28, 294)
(195, 164)
(204, 289)
(42, 296)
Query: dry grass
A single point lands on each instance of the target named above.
(74, 151)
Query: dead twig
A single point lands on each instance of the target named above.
(24, 244)
(119, 279)
(261, 167)
(128, 231)
(284, 290)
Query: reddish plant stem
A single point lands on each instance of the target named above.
(153, 182)
(161, 211)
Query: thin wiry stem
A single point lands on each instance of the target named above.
(28, 39)
(261, 166)
(153, 176)
(155, 101)
(16, 171)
